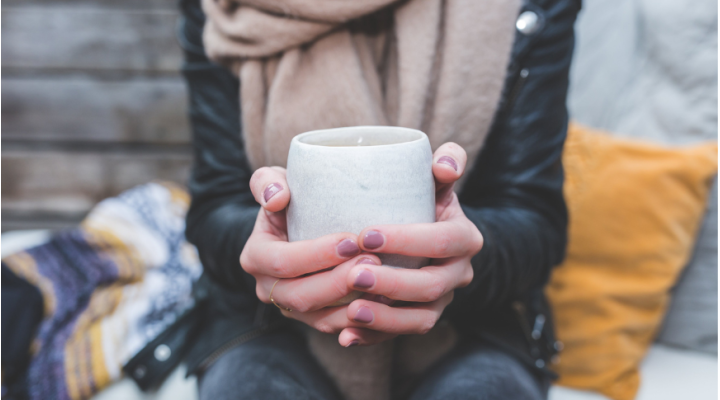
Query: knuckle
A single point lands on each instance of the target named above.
(450, 297)
(245, 262)
(297, 303)
(339, 285)
(468, 276)
(324, 327)
(435, 290)
(442, 245)
(278, 267)
(477, 241)
(426, 324)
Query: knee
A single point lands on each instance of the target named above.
(485, 375)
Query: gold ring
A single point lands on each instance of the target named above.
(273, 300)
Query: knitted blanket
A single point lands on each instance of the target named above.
(109, 287)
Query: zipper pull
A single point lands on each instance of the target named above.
(538, 327)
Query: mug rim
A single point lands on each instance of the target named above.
(298, 139)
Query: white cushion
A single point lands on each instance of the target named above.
(666, 374)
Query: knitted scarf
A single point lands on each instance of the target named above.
(433, 65)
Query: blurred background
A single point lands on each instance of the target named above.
(92, 104)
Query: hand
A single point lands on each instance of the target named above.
(451, 242)
(269, 257)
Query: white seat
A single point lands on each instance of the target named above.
(666, 374)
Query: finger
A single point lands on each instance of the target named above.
(450, 238)
(378, 298)
(426, 284)
(269, 186)
(310, 293)
(350, 337)
(266, 254)
(449, 163)
(326, 320)
(448, 166)
(418, 318)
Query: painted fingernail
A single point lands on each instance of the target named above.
(366, 260)
(365, 279)
(448, 161)
(347, 248)
(363, 315)
(271, 190)
(373, 240)
(353, 343)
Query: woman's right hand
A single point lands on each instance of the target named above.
(270, 258)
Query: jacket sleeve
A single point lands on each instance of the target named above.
(223, 211)
(514, 193)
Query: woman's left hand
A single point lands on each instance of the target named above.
(450, 243)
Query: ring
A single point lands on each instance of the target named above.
(273, 300)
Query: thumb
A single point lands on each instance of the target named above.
(270, 189)
(448, 166)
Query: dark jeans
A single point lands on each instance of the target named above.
(280, 366)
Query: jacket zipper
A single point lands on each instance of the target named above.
(521, 312)
(515, 92)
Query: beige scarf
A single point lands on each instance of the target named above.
(433, 65)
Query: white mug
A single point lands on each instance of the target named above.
(346, 179)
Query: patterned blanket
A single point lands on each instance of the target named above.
(109, 287)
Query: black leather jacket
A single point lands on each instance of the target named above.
(513, 194)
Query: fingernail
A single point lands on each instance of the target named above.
(366, 261)
(353, 343)
(347, 248)
(447, 161)
(365, 279)
(363, 315)
(373, 240)
(271, 190)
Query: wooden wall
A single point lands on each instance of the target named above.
(92, 104)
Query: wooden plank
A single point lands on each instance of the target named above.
(73, 38)
(21, 221)
(104, 4)
(70, 183)
(82, 108)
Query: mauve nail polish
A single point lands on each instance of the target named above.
(448, 161)
(365, 279)
(347, 248)
(363, 315)
(353, 343)
(373, 240)
(271, 190)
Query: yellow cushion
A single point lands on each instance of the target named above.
(635, 209)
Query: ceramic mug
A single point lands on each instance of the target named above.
(346, 179)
